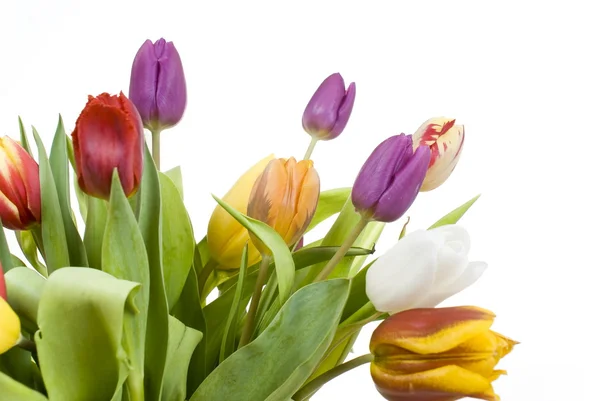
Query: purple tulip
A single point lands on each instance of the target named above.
(390, 179)
(157, 85)
(328, 111)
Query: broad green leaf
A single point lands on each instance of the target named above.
(358, 294)
(95, 224)
(454, 216)
(175, 175)
(330, 203)
(53, 230)
(202, 248)
(177, 240)
(284, 263)
(182, 343)
(189, 311)
(5, 257)
(60, 171)
(124, 257)
(81, 317)
(17, 363)
(23, 137)
(24, 287)
(12, 390)
(157, 333)
(81, 197)
(285, 353)
(231, 325)
(16, 261)
(27, 244)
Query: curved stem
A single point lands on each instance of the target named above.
(263, 271)
(341, 252)
(156, 148)
(312, 386)
(311, 147)
(26, 344)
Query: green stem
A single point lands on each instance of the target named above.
(26, 344)
(156, 148)
(263, 271)
(341, 252)
(311, 147)
(311, 387)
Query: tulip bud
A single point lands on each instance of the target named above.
(285, 197)
(226, 237)
(422, 269)
(108, 134)
(10, 325)
(445, 139)
(329, 109)
(389, 181)
(157, 85)
(20, 201)
(438, 354)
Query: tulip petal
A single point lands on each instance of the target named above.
(321, 111)
(171, 91)
(471, 274)
(453, 257)
(343, 113)
(142, 85)
(401, 277)
(10, 329)
(444, 383)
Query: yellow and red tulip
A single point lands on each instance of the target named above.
(445, 139)
(20, 201)
(285, 197)
(10, 325)
(440, 354)
(226, 237)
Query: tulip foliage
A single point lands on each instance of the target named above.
(113, 295)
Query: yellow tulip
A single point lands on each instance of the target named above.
(285, 197)
(445, 140)
(10, 325)
(441, 354)
(226, 237)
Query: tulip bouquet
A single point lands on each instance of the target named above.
(131, 306)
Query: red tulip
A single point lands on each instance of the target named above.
(108, 135)
(20, 202)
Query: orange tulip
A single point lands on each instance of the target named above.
(441, 354)
(285, 197)
(445, 139)
(20, 201)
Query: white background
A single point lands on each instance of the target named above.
(522, 77)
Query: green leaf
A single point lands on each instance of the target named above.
(157, 334)
(189, 311)
(95, 224)
(177, 240)
(182, 343)
(5, 257)
(124, 257)
(454, 216)
(285, 354)
(24, 287)
(16, 261)
(175, 175)
(24, 140)
(81, 317)
(27, 244)
(358, 294)
(81, 196)
(367, 239)
(284, 263)
(231, 325)
(53, 230)
(14, 391)
(330, 203)
(60, 171)
(17, 363)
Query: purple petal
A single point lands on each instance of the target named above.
(142, 86)
(404, 189)
(171, 92)
(321, 113)
(379, 170)
(343, 113)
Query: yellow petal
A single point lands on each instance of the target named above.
(226, 237)
(444, 383)
(10, 326)
(431, 330)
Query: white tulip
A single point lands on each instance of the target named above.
(422, 270)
